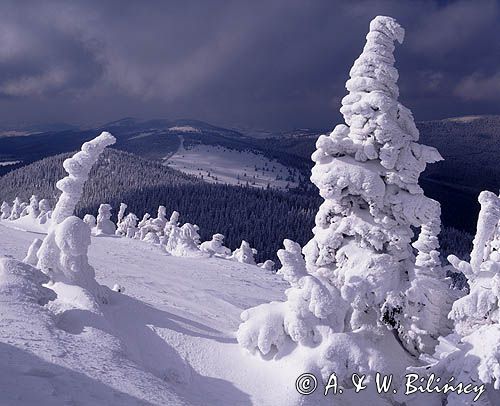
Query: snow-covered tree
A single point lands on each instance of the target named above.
(90, 220)
(121, 214)
(268, 265)
(472, 352)
(32, 208)
(183, 241)
(170, 224)
(244, 254)
(216, 246)
(161, 219)
(121, 229)
(31, 257)
(6, 211)
(17, 209)
(152, 238)
(128, 226)
(144, 220)
(44, 211)
(104, 224)
(63, 253)
(364, 290)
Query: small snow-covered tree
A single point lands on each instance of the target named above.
(104, 224)
(161, 220)
(121, 214)
(31, 257)
(170, 224)
(244, 254)
(365, 291)
(128, 226)
(121, 229)
(6, 211)
(216, 246)
(472, 352)
(183, 241)
(144, 220)
(63, 253)
(32, 208)
(152, 238)
(268, 265)
(17, 209)
(45, 211)
(90, 220)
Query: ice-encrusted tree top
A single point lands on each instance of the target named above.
(78, 168)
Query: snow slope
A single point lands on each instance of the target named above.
(168, 340)
(217, 164)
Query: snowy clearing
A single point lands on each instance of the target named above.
(184, 129)
(7, 163)
(218, 164)
(168, 340)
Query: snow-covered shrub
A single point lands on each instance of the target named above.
(63, 253)
(90, 220)
(268, 265)
(6, 211)
(472, 352)
(310, 303)
(215, 246)
(118, 288)
(244, 254)
(152, 238)
(22, 282)
(17, 209)
(44, 211)
(104, 224)
(361, 284)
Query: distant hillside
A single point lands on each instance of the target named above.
(262, 217)
(470, 147)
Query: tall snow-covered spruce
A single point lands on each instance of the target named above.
(63, 253)
(362, 283)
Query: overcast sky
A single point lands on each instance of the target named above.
(275, 64)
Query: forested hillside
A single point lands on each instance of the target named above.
(262, 217)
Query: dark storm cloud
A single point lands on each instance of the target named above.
(274, 63)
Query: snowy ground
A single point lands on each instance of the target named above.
(168, 340)
(217, 164)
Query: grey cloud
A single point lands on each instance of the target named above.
(479, 87)
(276, 63)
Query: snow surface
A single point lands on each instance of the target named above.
(218, 164)
(168, 340)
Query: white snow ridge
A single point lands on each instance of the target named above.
(142, 312)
